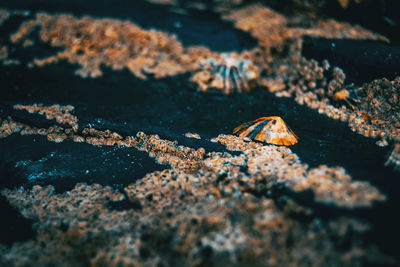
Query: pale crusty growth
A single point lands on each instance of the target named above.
(331, 185)
(54, 133)
(266, 164)
(61, 114)
(205, 202)
(8, 127)
(238, 143)
(278, 34)
(379, 107)
(92, 42)
(168, 152)
(164, 151)
(272, 29)
(192, 135)
(371, 113)
(296, 76)
(371, 110)
(175, 219)
(266, 25)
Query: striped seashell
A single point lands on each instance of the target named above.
(271, 130)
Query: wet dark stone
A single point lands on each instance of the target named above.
(380, 16)
(196, 28)
(125, 204)
(171, 107)
(377, 15)
(31, 160)
(369, 60)
(14, 227)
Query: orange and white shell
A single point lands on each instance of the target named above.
(271, 130)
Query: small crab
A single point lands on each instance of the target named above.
(271, 130)
(230, 73)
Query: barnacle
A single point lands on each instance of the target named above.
(230, 73)
(272, 130)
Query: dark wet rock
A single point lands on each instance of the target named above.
(195, 28)
(191, 209)
(28, 161)
(13, 226)
(369, 60)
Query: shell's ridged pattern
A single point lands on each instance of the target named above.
(228, 74)
(271, 130)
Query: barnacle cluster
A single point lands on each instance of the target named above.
(308, 81)
(218, 210)
(380, 106)
(213, 203)
(273, 29)
(92, 42)
(9, 127)
(266, 164)
(62, 114)
(270, 165)
(371, 110)
(229, 73)
(174, 219)
(211, 208)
